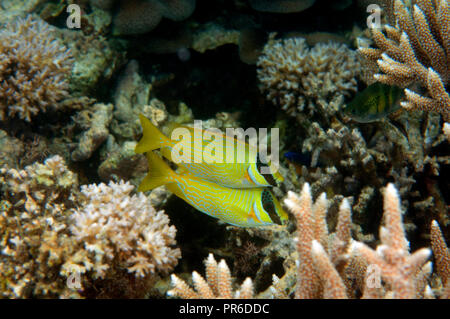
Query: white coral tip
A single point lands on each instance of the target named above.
(345, 205)
(355, 246)
(316, 248)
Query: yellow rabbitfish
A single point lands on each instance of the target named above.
(242, 171)
(374, 103)
(248, 207)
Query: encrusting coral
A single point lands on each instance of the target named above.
(101, 238)
(212, 36)
(34, 67)
(295, 76)
(95, 60)
(218, 283)
(416, 51)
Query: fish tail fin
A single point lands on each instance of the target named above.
(159, 173)
(152, 138)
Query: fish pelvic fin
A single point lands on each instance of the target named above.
(152, 138)
(159, 173)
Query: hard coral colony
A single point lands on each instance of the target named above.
(88, 174)
(34, 68)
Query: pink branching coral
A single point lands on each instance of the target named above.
(33, 67)
(319, 252)
(103, 237)
(336, 266)
(218, 283)
(402, 271)
(442, 258)
(333, 265)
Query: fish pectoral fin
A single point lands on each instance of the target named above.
(247, 177)
(150, 182)
(253, 216)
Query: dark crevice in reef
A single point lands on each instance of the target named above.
(197, 234)
(234, 85)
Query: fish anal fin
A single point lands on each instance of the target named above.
(159, 173)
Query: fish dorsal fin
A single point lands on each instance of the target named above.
(194, 129)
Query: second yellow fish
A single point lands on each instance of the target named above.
(240, 207)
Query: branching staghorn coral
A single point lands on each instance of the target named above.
(34, 68)
(114, 243)
(351, 162)
(442, 258)
(401, 271)
(333, 265)
(416, 50)
(218, 283)
(316, 273)
(295, 76)
(333, 273)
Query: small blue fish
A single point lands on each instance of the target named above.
(298, 158)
